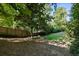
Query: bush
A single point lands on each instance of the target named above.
(74, 48)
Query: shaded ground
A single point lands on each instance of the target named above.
(31, 48)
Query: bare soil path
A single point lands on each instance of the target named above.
(31, 48)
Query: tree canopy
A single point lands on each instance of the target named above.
(75, 28)
(31, 17)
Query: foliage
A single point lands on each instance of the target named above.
(75, 22)
(31, 17)
(60, 17)
(9, 12)
(58, 23)
(39, 17)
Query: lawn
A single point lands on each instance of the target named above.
(54, 36)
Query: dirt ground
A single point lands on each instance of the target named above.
(31, 48)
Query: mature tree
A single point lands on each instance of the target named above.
(60, 17)
(75, 28)
(29, 17)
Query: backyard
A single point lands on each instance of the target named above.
(39, 29)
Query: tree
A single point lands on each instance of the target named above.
(25, 16)
(60, 17)
(9, 13)
(40, 16)
(59, 20)
(74, 48)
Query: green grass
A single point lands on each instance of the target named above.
(54, 36)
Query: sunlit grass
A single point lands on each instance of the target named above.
(54, 36)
